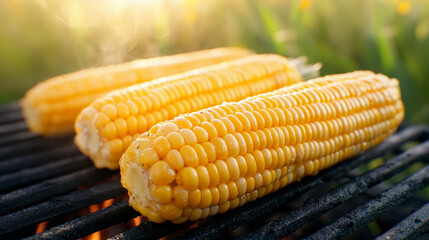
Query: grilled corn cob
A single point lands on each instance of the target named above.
(237, 152)
(50, 108)
(107, 127)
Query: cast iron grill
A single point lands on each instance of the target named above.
(49, 180)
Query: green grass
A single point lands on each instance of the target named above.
(40, 39)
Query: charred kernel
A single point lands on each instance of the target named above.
(189, 156)
(176, 140)
(188, 177)
(161, 173)
(174, 158)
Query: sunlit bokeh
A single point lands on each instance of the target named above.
(44, 38)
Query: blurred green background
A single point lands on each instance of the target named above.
(43, 38)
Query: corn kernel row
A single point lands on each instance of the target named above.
(51, 107)
(107, 127)
(208, 162)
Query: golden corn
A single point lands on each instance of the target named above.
(247, 149)
(51, 107)
(107, 127)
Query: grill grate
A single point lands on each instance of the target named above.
(49, 180)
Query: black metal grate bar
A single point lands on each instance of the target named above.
(289, 222)
(13, 127)
(93, 222)
(238, 217)
(371, 209)
(411, 227)
(18, 137)
(32, 175)
(11, 117)
(30, 195)
(59, 205)
(32, 160)
(31, 146)
(10, 107)
(149, 230)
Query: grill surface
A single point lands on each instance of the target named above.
(49, 180)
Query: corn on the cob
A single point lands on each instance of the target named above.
(237, 152)
(50, 108)
(106, 128)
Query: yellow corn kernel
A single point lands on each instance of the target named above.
(161, 173)
(163, 194)
(138, 108)
(291, 133)
(50, 108)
